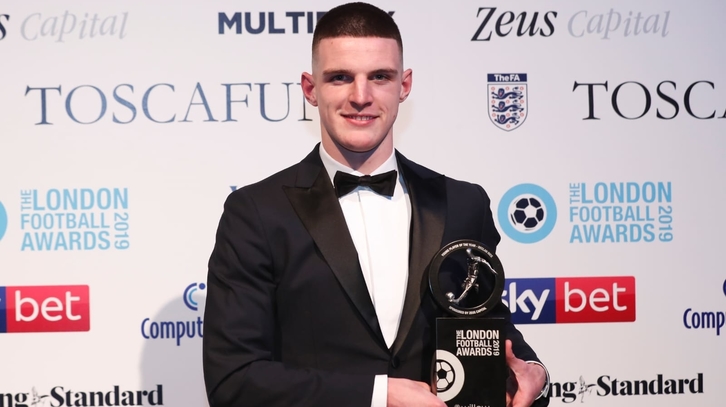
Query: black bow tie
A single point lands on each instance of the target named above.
(382, 184)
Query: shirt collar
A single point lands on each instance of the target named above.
(332, 166)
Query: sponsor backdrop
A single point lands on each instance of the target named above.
(596, 128)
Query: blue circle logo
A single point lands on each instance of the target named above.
(189, 300)
(527, 213)
(724, 281)
(3, 220)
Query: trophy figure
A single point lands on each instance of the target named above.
(470, 366)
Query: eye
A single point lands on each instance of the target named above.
(380, 77)
(339, 78)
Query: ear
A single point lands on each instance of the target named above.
(308, 87)
(406, 81)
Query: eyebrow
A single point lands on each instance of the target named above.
(385, 71)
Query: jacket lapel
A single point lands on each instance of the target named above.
(315, 203)
(427, 191)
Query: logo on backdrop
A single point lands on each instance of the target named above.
(178, 330)
(125, 103)
(508, 99)
(67, 26)
(633, 100)
(606, 385)
(45, 309)
(527, 213)
(289, 22)
(563, 300)
(72, 219)
(496, 23)
(707, 321)
(189, 299)
(600, 212)
(58, 396)
(620, 212)
(3, 221)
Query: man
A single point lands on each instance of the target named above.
(316, 293)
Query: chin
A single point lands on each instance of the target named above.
(362, 146)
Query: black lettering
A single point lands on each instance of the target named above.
(295, 15)
(668, 99)
(640, 387)
(57, 393)
(501, 23)
(696, 385)
(615, 100)
(2, 27)
(235, 21)
(614, 387)
(310, 22)
(626, 388)
(568, 395)
(687, 100)
(248, 23)
(531, 29)
(590, 98)
(271, 21)
(549, 23)
(681, 383)
(484, 23)
(670, 387)
(555, 389)
(604, 389)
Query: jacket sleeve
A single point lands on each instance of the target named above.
(522, 350)
(241, 364)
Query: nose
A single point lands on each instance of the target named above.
(360, 93)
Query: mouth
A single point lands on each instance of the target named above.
(359, 118)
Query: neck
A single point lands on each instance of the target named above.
(365, 162)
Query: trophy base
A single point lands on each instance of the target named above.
(470, 367)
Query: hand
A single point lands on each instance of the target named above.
(525, 382)
(404, 392)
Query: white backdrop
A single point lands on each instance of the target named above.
(148, 103)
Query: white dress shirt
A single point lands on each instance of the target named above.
(379, 226)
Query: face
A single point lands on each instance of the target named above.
(357, 85)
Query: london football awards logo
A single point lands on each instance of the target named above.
(527, 213)
(3, 220)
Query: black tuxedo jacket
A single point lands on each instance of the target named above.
(289, 320)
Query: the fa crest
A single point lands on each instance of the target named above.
(507, 99)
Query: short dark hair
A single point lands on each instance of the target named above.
(356, 20)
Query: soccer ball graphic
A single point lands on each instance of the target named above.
(527, 213)
(445, 375)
